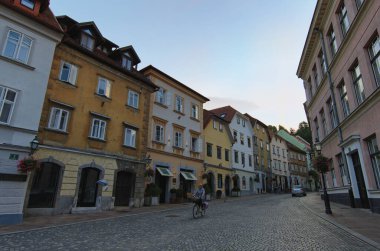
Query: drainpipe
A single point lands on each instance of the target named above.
(335, 113)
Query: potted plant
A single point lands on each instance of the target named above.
(156, 192)
(148, 174)
(27, 164)
(219, 194)
(235, 192)
(179, 195)
(208, 192)
(173, 195)
(152, 194)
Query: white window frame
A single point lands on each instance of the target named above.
(84, 41)
(100, 132)
(133, 99)
(374, 53)
(178, 139)
(160, 130)
(20, 43)
(195, 111)
(56, 119)
(72, 74)
(107, 87)
(28, 3)
(130, 137)
(126, 62)
(3, 100)
(179, 103)
(160, 96)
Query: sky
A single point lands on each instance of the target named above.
(242, 53)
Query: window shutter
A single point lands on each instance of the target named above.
(200, 144)
(168, 98)
(73, 74)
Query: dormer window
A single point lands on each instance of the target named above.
(87, 40)
(126, 63)
(28, 3)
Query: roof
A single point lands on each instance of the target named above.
(207, 115)
(151, 67)
(225, 112)
(254, 121)
(44, 17)
(131, 50)
(292, 140)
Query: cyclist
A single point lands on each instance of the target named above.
(200, 195)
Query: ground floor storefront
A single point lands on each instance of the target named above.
(219, 180)
(245, 181)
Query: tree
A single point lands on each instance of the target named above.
(280, 127)
(272, 128)
(304, 132)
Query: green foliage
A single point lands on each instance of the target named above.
(272, 128)
(304, 132)
(321, 164)
(152, 190)
(207, 189)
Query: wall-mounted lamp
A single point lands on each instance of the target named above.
(34, 145)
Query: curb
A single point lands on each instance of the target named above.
(344, 228)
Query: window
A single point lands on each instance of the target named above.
(28, 3)
(324, 124)
(274, 149)
(214, 124)
(344, 99)
(209, 150)
(236, 156)
(178, 139)
(221, 127)
(250, 160)
(343, 19)
(159, 133)
(255, 140)
(268, 147)
(244, 183)
(226, 155)
(316, 78)
(219, 152)
(375, 158)
(358, 84)
(7, 103)
(374, 52)
(333, 121)
(249, 142)
(17, 46)
(130, 137)
(343, 170)
(133, 99)
(98, 129)
(195, 111)
(68, 73)
(256, 159)
(238, 120)
(104, 87)
(243, 121)
(179, 104)
(332, 41)
(322, 62)
(87, 41)
(58, 119)
(359, 3)
(283, 153)
(126, 63)
(241, 138)
(316, 128)
(262, 162)
(220, 181)
(160, 96)
(235, 136)
(332, 172)
(261, 144)
(278, 151)
(195, 144)
(243, 159)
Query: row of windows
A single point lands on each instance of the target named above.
(218, 152)
(242, 160)
(59, 118)
(277, 164)
(241, 138)
(163, 97)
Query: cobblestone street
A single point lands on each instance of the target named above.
(272, 222)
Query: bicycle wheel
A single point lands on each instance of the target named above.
(203, 211)
(196, 211)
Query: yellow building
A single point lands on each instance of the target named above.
(218, 142)
(261, 153)
(93, 128)
(175, 134)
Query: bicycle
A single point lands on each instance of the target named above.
(199, 209)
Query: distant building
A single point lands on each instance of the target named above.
(343, 42)
(280, 174)
(29, 35)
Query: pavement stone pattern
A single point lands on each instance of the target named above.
(277, 222)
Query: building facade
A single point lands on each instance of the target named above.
(29, 35)
(217, 160)
(93, 126)
(340, 69)
(280, 164)
(175, 135)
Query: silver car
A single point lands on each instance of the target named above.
(297, 190)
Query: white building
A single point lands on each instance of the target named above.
(29, 34)
(280, 165)
(242, 153)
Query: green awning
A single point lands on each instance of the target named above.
(164, 171)
(188, 176)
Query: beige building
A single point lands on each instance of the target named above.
(175, 135)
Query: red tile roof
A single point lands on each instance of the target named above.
(44, 17)
(226, 112)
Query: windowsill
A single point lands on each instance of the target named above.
(133, 108)
(96, 139)
(103, 96)
(10, 60)
(179, 112)
(67, 83)
(158, 142)
(56, 130)
(195, 119)
(194, 152)
(159, 104)
(129, 147)
(178, 148)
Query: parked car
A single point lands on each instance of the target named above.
(298, 190)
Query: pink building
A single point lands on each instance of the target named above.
(344, 110)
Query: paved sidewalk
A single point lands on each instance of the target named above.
(358, 221)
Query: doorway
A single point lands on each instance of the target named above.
(45, 185)
(211, 183)
(360, 180)
(124, 188)
(88, 188)
(227, 185)
(162, 182)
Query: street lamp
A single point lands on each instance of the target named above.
(322, 170)
(147, 160)
(34, 145)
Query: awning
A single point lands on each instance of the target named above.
(188, 176)
(164, 171)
